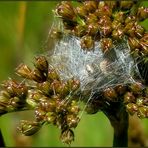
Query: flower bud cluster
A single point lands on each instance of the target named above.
(53, 100)
(133, 96)
(106, 21)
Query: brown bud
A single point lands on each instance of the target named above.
(81, 11)
(129, 19)
(133, 43)
(129, 98)
(87, 43)
(23, 71)
(79, 30)
(38, 76)
(118, 33)
(142, 13)
(53, 75)
(121, 89)
(50, 117)
(39, 114)
(110, 94)
(93, 29)
(136, 88)
(48, 105)
(72, 121)
(66, 11)
(90, 6)
(41, 64)
(106, 44)
(45, 87)
(91, 18)
(119, 16)
(29, 128)
(142, 112)
(103, 10)
(67, 136)
(126, 4)
(131, 108)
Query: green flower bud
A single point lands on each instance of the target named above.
(67, 136)
(131, 108)
(29, 128)
(24, 71)
(140, 101)
(41, 64)
(119, 16)
(93, 29)
(129, 98)
(142, 112)
(74, 109)
(130, 19)
(116, 24)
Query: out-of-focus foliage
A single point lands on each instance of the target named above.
(23, 34)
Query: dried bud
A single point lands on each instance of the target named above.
(38, 76)
(47, 105)
(142, 112)
(110, 94)
(126, 4)
(14, 88)
(136, 88)
(29, 128)
(104, 10)
(79, 30)
(93, 29)
(106, 44)
(119, 16)
(66, 11)
(45, 87)
(90, 6)
(53, 75)
(129, 98)
(131, 108)
(24, 71)
(87, 43)
(39, 114)
(67, 136)
(91, 18)
(81, 11)
(72, 121)
(142, 13)
(118, 33)
(121, 89)
(41, 64)
(50, 117)
(133, 43)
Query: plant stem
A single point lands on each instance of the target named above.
(121, 132)
(119, 120)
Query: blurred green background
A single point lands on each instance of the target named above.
(24, 28)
